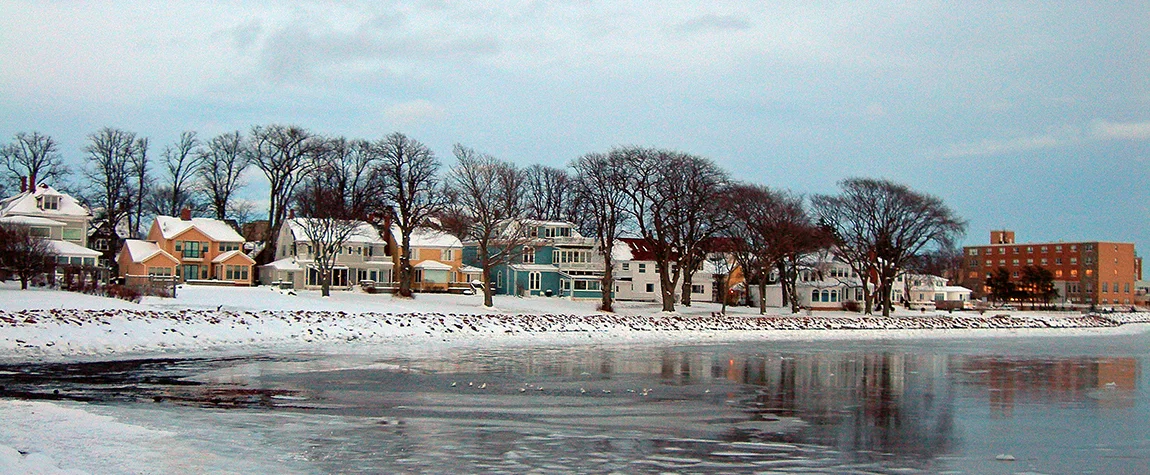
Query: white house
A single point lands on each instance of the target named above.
(365, 256)
(636, 277)
(55, 216)
(931, 291)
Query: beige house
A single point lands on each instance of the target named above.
(366, 256)
(437, 258)
(54, 216)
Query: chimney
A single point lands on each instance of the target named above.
(32, 183)
(23, 184)
(186, 214)
(1004, 236)
(291, 213)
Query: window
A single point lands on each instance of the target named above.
(73, 234)
(164, 271)
(1073, 261)
(1058, 273)
(1057, 248)
(1014, 262)
(1044, 261)
(101, 244)
(448, 254)
(229, 246)
(528, 255)
(696, 289)
(40, 231)
(1014, 274)
(1073, 272)
(988, 263)
(815, 295)
(533, 281)
(626, 266)
(1015, 250)
(1030, 249)
(413, 253)
(49, 202)
(1002, 250)
(1002, 262)
(1126, 288)
(580, 285)
(974, 252)
(1073, 248)
(192, 250)
(1057, 261)
(1105, 287)
(1044, 249)
(1030, 262)
(650, 287)
(642, 268)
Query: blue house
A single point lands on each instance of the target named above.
(555, 261)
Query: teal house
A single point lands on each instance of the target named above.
(556, 261)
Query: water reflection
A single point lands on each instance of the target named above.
(1107, 382)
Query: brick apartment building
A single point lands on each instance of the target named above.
(1094, 272)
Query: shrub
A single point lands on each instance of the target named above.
(123, 293)
(852, 306)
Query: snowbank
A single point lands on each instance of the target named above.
(47, 324)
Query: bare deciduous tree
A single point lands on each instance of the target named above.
(23, 253)
(34, 156)
(180, 162)
(110, 154)
(138, 167)
(281, 152)
(881, 226)
(332, 201)
(548, 193)
(220, 172)
(651, 186)
(486, 206)
(411, 187)
(601, 208)
(700, 214)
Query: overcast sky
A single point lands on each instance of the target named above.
(1033, 116)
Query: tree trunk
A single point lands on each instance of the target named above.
(607, 285)
(686, 298)
(488, 301)
(325, 283)
(762, 296)
(723, 284)
(406, 273)
(23, 283)
(666, 287)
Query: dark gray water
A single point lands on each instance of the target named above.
(1053, 405)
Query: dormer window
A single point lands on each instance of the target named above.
(50, 202)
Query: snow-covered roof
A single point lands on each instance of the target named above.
(140, 251)
(954, 288)
(428, 237)
(214, 229)
(621, 251)
(30, 203)
(287, 263)
(364, 233)
(229, 255)
(30, 221)
(470, 270)
(432, 265)
(69, 249)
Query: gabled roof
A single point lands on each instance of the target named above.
(227, 256)
(214, 229)
(428, 237)
(29, 202)
(432, 265)
(364, 233)
(637, 248)
(141, 251)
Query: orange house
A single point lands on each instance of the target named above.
(206, 249)
(142, 258)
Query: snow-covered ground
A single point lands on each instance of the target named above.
(39, 324)
(46, 324)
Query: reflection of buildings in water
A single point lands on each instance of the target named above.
(1110, 381)
(890, 403)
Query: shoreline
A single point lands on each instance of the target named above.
(83, 334)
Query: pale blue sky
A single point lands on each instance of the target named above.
(1029, 115)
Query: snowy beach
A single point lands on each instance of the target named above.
(57, 325)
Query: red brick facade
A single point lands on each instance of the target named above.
(1097, 272)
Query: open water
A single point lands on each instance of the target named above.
(1040, 405)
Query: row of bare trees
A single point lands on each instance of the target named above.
(679, 204)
